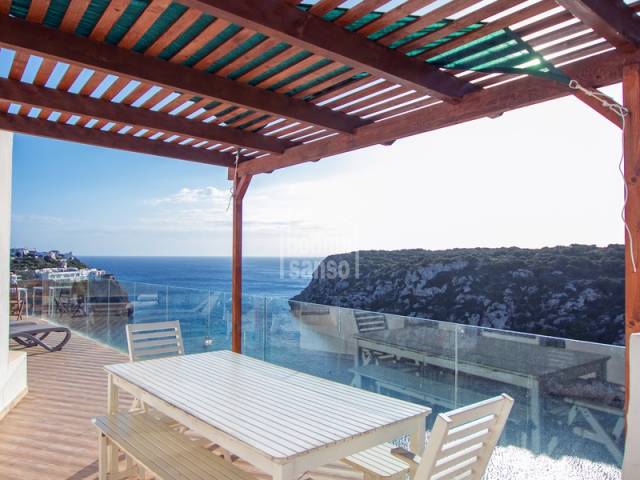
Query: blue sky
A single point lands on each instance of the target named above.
(545, 175)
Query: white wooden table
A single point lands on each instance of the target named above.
(281, 421)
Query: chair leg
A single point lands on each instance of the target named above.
(114, 461)
(102, 456)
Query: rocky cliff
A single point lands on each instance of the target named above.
(572, 292)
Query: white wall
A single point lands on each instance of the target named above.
(13, 365)
(6, 149)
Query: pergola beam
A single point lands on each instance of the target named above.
(296, 27)
(631, 99)
(57, 100)
(240, 186)
(611, 19)
(98, 138)
(601, 70)
(60, 46)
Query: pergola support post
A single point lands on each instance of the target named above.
(631, 99)
(240, 186)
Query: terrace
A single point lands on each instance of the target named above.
(256, 86)
(550, 430)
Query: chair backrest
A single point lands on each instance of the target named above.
(462, 440)
(370, 321)
(631, 464)
(155, 339)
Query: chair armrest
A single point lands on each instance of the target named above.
(406, 456)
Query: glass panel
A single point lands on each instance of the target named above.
(569, 395)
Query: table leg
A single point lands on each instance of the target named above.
(536, 417)
(113, 397)
(419, 438)
(113, 400)
(102, 456)
(283, 472)
(357, 378)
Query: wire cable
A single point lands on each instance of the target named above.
(622, 112)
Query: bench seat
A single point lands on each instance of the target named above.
(155, 447)
(378, 462)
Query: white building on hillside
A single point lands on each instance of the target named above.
(69, 274)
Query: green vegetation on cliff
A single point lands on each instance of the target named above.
(571, 292)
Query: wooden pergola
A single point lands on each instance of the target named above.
(259, 85)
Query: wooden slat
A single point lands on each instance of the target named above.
(393, 15)
(19, 64)
(55, 100)
(59, 131)
(108, 19)
(270, 63)
(228, 46)
(211, 31)
(69, 77)
(307, 77)
(319, 87)
(246, 57)
(281, 75)
(144, 22)
(426, 20)
(597, 72)
(461, 23)
(73, 15)
(324, 6)
(107, 58)
(44, 72)
(613, 20)
(504, 22)
(359, 10)
(323, 38)
(173, 32)
(38, 10)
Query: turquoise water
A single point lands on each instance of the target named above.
(263, 276)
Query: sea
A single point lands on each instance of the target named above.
(262, 276)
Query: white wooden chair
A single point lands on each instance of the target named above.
(155, 339)
(631, 465)
(150, 340)
(459, 447)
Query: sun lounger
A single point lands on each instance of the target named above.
(32, 335)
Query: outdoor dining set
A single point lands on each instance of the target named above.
(281, 421)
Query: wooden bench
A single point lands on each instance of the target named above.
(378, 462)
(152, 446)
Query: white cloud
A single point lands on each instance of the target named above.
(191, 196)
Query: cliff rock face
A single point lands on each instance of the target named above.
(571, 292)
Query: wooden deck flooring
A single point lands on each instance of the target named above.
(49, 435)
